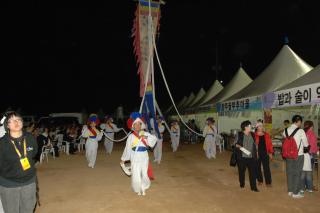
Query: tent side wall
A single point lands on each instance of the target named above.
(227, 123)
(279, 115)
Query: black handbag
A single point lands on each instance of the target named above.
(233, 159)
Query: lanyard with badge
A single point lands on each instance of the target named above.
(23, 160)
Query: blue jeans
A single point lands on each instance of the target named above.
(306, 178)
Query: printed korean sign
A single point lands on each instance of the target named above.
(251, 103)
(299, 96)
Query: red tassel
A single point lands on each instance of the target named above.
(150, 173)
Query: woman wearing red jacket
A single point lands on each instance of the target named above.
(265, 151)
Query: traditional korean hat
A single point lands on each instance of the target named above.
(134, 118)
(93, 118)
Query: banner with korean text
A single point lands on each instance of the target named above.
(298, 96)
(250, 103)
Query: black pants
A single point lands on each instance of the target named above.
(264, 161)
(56, 151)
(72, 148)
(251, 164)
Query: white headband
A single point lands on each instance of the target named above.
(143, 126)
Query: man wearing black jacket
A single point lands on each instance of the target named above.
(246, 142)
(17, 170)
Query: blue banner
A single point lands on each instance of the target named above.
(251, 103)
(148, 113)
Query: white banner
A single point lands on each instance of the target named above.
(299, 96)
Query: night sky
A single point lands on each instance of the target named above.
(60, 57)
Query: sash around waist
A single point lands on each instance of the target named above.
(140, 149)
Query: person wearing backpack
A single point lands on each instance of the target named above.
(292, 150)
(246, 152)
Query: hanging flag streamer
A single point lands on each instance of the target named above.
(143, 50)
(141, 39)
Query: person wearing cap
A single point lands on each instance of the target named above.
(136, 151)
(265, 151)
(17, 166)
(175, 135)
(210, 135)
(158, 148)
(93, 135)
(109, 129)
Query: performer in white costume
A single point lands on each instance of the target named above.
(210, 135)
(175, 135)
(158, 149)
(93, 135)
(109, 128)
(136, 151)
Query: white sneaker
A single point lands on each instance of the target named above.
(139, 193)
(143, 193)
(297, 196)
(309, 190)
(290, 193)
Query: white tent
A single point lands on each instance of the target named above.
(169, 109)
(310, 78)
(188, 101)
(199, 95)
(309, 112)
(212, 91)
(183, 100)
(238, 82)
(285, 68)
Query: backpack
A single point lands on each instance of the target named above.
(289, 147)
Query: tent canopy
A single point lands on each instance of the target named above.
(199, 95)
(169, 109)
(285, 68)
(215, 88)
(189, 100)
(311, 77)
(183, 100)
(238, 82)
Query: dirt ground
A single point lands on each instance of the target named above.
(185, 182)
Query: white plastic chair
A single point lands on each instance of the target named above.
(59, 138)
(220, 143)
(44, 153)
(81, 144)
